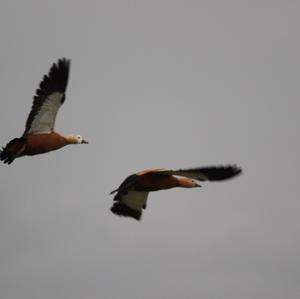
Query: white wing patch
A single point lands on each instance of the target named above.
(135, 200)
(44, 120)
(192, 175)
(189, 173)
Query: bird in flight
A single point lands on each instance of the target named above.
(39, 136)
(132, 194)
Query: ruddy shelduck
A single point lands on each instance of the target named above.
(39, 136)
(131, 197)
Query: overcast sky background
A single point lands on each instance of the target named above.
(154, 84)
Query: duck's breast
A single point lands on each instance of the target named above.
(43, 143)
(155, 182)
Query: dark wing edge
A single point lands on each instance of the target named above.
(219, 173)
(127, 183)
(130, 203)
(121, 209)
(55, 81)
(209, 173)
(126, 202)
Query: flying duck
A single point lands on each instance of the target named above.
(39, 136)
(131, 197)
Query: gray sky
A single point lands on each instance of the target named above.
(154, 84)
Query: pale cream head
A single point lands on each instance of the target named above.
(75, 139)
(187, 182)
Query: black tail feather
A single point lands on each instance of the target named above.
(12, 150)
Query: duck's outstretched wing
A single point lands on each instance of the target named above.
(210, 173)
(127, 201)
(130, 203)
(49, 97)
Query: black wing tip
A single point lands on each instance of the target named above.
(57, 78)
(233, 170)
(237, 170)
(220, 173)
(122, 210)
(64, 60)
(63, 63)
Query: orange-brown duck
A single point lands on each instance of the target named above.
(131, 197)
(39, 136)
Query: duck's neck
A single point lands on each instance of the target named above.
(70, 139)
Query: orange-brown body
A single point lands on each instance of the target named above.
(150, 180)
(34, 144)
(43, 143)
